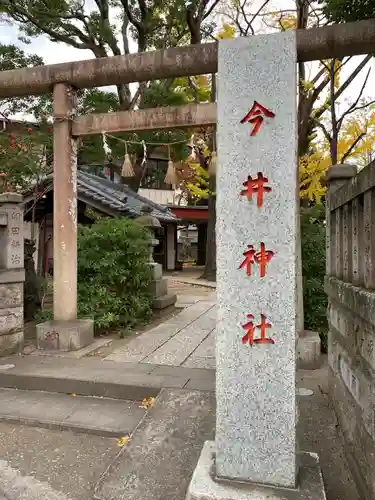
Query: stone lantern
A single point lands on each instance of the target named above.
(159, 285)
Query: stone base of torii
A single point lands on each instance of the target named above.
(255, 453)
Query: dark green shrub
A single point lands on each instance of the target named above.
(113, 273)
(313, 267)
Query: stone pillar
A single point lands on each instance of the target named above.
(65, 333)
(12, 273)
(336, 177)
(171, 249)
(64, 206)
(257, 229)
(159, 285)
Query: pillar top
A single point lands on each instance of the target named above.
(11, 198)
(341, 172)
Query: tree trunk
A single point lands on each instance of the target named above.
(202, 244)
(210, 268)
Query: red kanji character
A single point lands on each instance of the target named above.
(249, 259)
(256, 186)
(249, 337)
(262, 258)
(249, 326)
(252, 257)
(255, 117)
(263, 326)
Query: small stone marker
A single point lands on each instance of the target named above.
(254, 454)
(11, 234)
(12, 274)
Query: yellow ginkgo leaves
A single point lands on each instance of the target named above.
(122, 441)
(146, 403)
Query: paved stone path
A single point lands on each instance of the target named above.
(186, 339)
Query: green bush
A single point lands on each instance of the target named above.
(313, 267)
(113, 273)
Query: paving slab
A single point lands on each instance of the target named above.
(56, 465)
(208, 362)
(105, 417)
(158, 461)
(172, 341)
(207, 348)
(180, 347)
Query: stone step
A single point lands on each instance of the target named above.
(100, 378)
(100, 416)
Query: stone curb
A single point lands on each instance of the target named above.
(99, 382)
(63, 426)
(108, 390)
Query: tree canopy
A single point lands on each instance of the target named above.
(348, 10)
(151, 24)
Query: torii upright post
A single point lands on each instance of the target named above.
(65, 333)
(254, 456)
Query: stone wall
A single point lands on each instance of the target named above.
(350, 284)
(12, 273)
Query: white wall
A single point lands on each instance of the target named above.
(160, 196)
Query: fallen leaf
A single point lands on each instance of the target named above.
(122, 441)
(147, 403)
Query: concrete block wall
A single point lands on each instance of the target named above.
(350, 286)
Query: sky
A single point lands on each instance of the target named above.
(58, 52)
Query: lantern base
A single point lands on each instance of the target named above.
(164, 301)
(205, 486)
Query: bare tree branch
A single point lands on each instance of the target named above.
(353, 107)
(334, 123)
(210, 10)
(364, 105)
(258, 11)
(359, 138)
(324, 129)
(319, 112)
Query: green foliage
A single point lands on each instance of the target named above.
(23, 159)
(12, 57)
(313, 267)
(349, 10)
(113, 273)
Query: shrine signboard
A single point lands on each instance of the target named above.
(257, 203)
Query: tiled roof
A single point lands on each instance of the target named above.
(119, 197)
